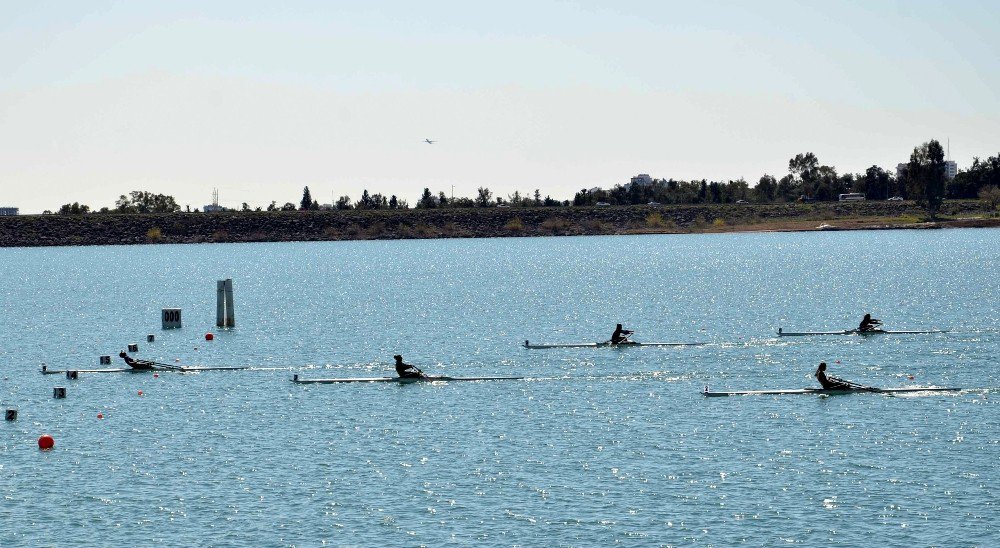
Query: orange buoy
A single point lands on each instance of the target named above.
(100, 415)
(45, 442)
(209, 336)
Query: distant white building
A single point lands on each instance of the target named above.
(642, 179)
(8, 211)
(950, 170)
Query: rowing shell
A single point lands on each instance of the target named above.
(603, 344)
(180, 369)
(782, 333)
(401, 380)
(711, 394)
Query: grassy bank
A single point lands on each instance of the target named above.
(110, 229)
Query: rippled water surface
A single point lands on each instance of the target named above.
(596, 446)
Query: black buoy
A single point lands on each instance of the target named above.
(10, 415)
(105, 360)
(72, 374)
(133, 347)
(150, 338)
(59, 392)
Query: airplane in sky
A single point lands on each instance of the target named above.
(428, 141)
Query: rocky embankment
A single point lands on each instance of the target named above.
(112, 229)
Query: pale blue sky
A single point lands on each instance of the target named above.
(259, 99)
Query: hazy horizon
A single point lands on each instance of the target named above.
(259, 101)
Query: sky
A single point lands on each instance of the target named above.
(261, 99)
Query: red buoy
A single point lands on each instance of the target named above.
(156, 375)
(100, 415)
(45, 442)
(140, 392)
(209, 336)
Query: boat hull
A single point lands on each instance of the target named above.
(400, 380)
(807, 391)
(782, 333)
(608, 344)
(155, 368)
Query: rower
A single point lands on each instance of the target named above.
(869, 324)
(405, 370)
(620, 335)
(830, 383)
(132, 362)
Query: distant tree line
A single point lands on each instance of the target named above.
(922, 179)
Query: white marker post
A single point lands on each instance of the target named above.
(225, 315)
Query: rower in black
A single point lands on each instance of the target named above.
(869, 324)
(134, 363)
(620, 335)
(830, 383)
(406, 370)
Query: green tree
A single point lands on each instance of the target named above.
(990, 195)
(306, 202)
(925, 176)
(804, 168)
(426, 200)
(371, 201)
(484, 198)
(139, 201)
(788, 190)
(982, 173)
(874, 183)
(74, 209)
(766, 188)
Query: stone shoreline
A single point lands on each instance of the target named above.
(120, 229)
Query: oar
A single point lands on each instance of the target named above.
(417, 369)
(623, 341)
(166, 365)
(855, 385)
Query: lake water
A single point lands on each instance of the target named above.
(598, 446)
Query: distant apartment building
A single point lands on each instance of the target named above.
(8, 211)
(950, 170)
(642, 179)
